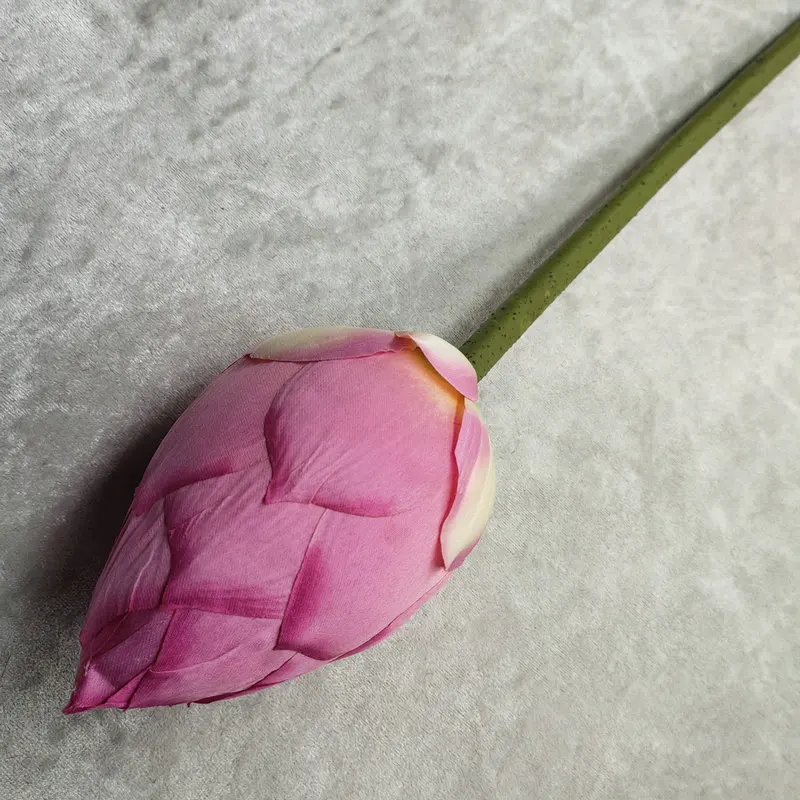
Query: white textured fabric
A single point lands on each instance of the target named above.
(178, 181)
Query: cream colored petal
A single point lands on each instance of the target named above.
(448, 361)
(326, 344)
(475, 491)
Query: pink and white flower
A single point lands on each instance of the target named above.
(316, 494)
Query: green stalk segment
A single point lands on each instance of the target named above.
(493, 339)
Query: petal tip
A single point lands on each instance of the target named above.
(448, 361)
(297, 343)
(325, 344)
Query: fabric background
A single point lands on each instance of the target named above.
(179, 180)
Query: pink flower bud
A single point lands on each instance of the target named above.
(315, 495)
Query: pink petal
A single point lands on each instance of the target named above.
(221, 432)
(206, 655)
(236, 555)
(474, 496)
(296, 666)
(371, 436)
(239, 556)
(449, 362)
(129, 646)
(326, 344)
(293, 665)
(184, 504)
(123, 697)
(359, 574)
(135, 573)
(180, 656)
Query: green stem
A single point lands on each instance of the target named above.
(491, 341)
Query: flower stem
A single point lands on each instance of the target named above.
(494, 338)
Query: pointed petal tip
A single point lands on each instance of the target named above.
(76, 706)
(81, 701)
(448, 361)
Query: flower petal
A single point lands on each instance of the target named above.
(206, 655)
(129, 646)
(296, 666)
(171, 656)
(221, 432)
(371, 436)
(328, 344)
(449, 362)
(474, 496)
(239, 556)
(359, 575)
(134, 575)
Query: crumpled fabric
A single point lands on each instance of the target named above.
(318, 492)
